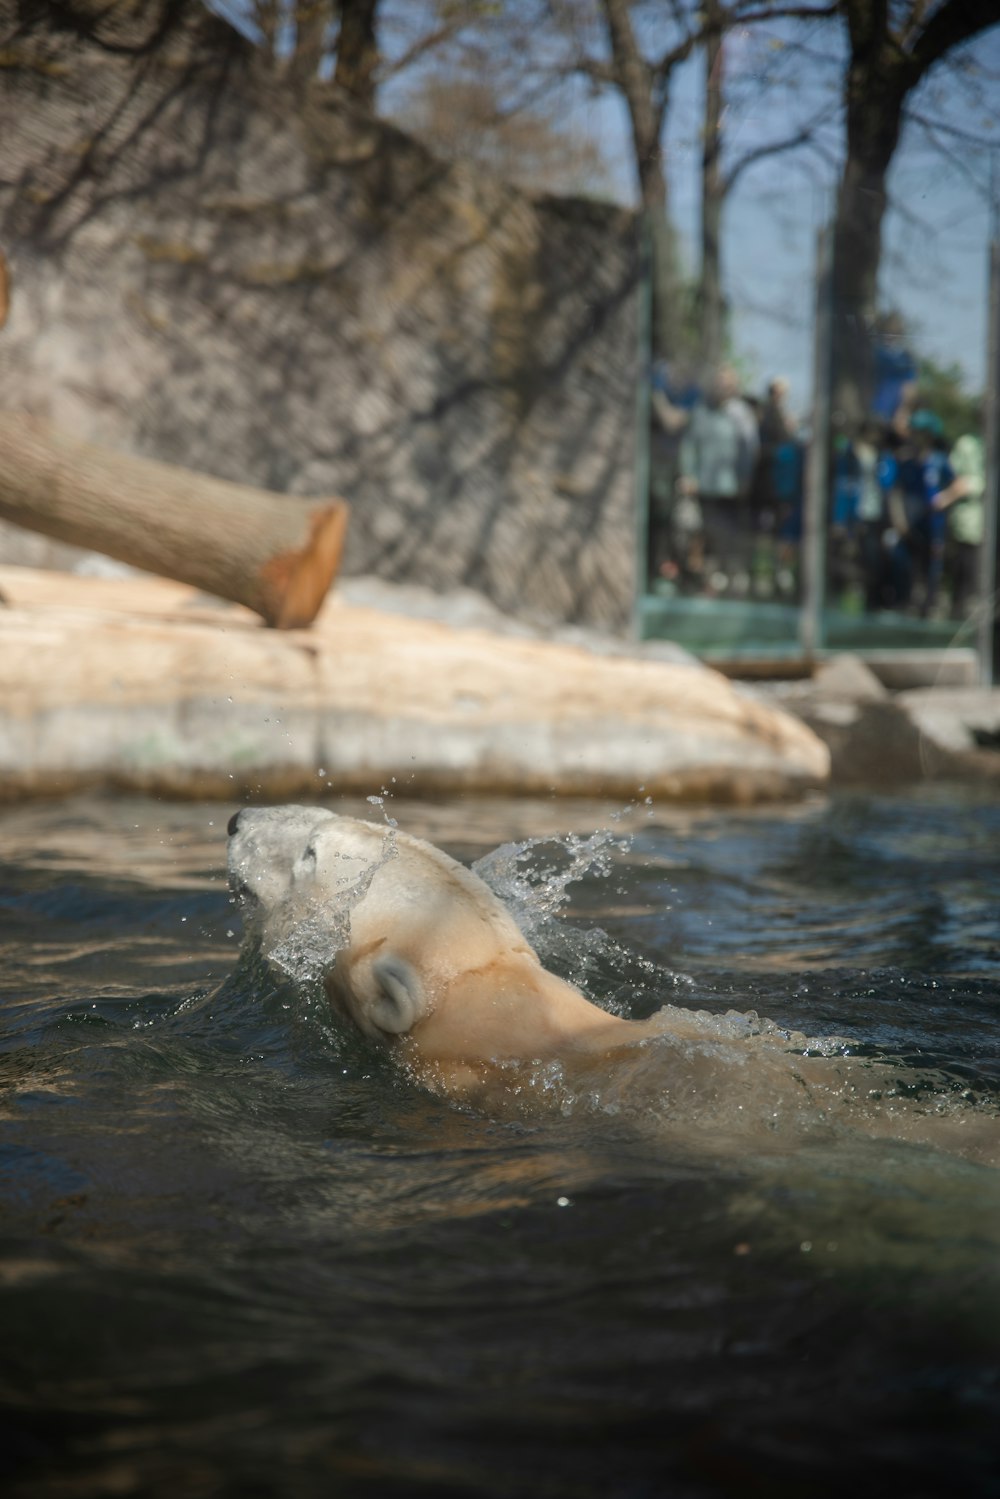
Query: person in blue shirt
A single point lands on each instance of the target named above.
(877, 473)
(895, 367)
(938, 475)
(918, 560)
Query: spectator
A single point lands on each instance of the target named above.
(961, 502)
(919, 553)
(876, 475)
(777, 428)
(895, 368)
(905, 408)
(777, 425)
(937, 476)
(717, 457)
(672, 398)
(748, 425)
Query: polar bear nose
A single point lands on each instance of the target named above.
(234, 823)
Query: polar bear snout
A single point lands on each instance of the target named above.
(265, 846)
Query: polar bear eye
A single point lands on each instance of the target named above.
(304, 867)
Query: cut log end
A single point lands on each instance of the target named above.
(172, 521)
(295, 583)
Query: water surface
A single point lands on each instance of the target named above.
(240, 1255)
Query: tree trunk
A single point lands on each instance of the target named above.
(646, 115)
(266, 16)
(666, 321)
(357, 51)
(893, 46)
(277, 554)
(873, 124)
(710, 304)
(312, 23)
(878, 77)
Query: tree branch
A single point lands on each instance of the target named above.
(751, 17)
(957, 159)
(593, 68)
(84, 25)
(940, 127)
(674, 56)
(956, 21)
(421, 46)
(803, 137)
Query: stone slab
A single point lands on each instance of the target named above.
(880, 738)
(146, 685)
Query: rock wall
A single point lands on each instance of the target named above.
(305, 299)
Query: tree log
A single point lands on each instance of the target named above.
(277, 554)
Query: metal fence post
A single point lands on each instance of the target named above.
(988, 561)
(644, 354)
(818, 458)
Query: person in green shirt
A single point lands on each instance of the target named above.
(963, 500)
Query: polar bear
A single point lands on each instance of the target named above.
(417, 953)
(423, 956)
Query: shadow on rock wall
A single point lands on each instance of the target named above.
(305, 299)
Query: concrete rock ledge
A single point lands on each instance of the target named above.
(879, 738)
(146, 685)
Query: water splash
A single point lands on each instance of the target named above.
(379, 802)
(536, 890)
(305, 946)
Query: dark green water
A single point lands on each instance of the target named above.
(239, 1255)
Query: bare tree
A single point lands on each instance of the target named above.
(611, 55)
(647, 42)
(721, 166)
(342, 38)
(511, 67)
(357, 50)
(710, 297)
(893, 46)
(468, 115)
(300, 36)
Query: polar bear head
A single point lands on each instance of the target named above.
(419, 952)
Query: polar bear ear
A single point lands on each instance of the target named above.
(400, 1000)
